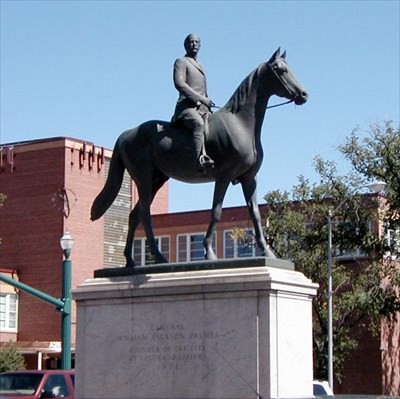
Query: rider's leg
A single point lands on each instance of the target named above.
(203, 160)
(192, 120)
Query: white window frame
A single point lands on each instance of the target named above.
(353, 253)
(255, 251)
(143, 247)
(8, 312)
(392, 238)
(188, 246)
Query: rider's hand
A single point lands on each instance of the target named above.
(210, 104)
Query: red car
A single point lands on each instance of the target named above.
(39, 384)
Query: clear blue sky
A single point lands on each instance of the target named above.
(92, 69)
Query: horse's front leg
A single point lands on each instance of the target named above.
(219, 194)
(249, 188)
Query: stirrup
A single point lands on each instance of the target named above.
(205, 162)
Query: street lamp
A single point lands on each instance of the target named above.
(375, 188)
(66, 243)
(63, 305)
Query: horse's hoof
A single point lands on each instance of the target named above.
(161, 259)
(269, 254)
(210, 256)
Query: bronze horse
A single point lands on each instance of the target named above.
(155, 151)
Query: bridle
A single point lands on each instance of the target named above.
(285, 86)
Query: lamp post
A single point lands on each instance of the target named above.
(63, 305)
(373, 187)
(66, 243)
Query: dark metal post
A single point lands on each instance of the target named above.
(330, 303)
(58, 303)
(66, 316)
(66, 243)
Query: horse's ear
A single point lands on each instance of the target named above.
(275, 55)
(283, 55)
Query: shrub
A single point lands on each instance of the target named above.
(10, 359)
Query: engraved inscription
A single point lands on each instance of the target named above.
(171, 345)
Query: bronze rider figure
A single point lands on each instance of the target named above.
(193, 105)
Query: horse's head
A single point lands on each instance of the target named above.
(286, 84)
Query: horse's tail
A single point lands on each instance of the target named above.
(111, 188)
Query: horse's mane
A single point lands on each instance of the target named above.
(242, 92)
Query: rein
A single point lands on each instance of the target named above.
(278, 105)
(270, 106)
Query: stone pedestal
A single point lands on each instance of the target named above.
(230, 333)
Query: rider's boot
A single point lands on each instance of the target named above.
(203, 161)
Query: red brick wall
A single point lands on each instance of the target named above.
(30, 229)
(391, 356)
(83, 180)
(32, 223)
(363, 368)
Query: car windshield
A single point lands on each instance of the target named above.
(19, 383)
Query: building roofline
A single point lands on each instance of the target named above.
(51, 142)
(38, 141)
(46, 140)
(228, 208)
(201, 216)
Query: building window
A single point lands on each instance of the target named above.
(353, 252)
(8, 312)
(190, 247)
(392, 238)
(242, 247)
(141, 251)
(350, 254)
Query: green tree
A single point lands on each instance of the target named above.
(375, 154)
(297, 230)
(10, 359)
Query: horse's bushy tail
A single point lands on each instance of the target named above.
(111, 188)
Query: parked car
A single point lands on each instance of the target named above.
(39, 384)
(322, 390)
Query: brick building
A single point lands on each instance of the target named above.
(50, 185)
(181, 235)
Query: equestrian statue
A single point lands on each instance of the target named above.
(158, 150)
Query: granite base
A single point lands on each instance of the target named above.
(231, 333)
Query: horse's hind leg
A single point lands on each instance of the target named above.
(249, 188)
(145, 199)
(134, 220)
